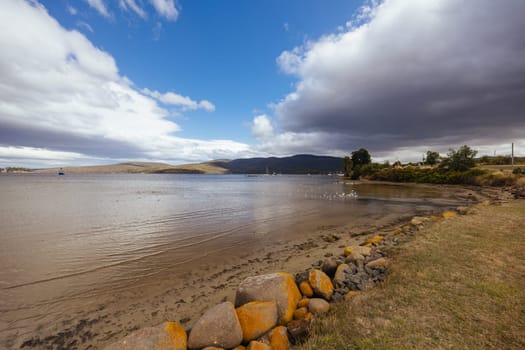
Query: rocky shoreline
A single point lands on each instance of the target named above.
(275, 311)
(188, 303)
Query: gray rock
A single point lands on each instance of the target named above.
(329, 266)
(158, 338)
(354, 257)
(341, 274)
(219, 327)
(318, 306)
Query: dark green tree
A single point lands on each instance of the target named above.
(361, 157)
(347, 166)
(432, 158)
(460, 160)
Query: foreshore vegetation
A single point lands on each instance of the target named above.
(459, 167)
(456, 284)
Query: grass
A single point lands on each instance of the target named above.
(459, 284)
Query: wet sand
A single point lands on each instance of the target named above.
(210, 278)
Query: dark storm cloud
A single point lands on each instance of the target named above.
(417, 73)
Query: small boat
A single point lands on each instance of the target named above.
(61, 172)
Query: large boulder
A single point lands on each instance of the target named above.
(219, 327)
(257, 318)
(167, 336)
(321, 284)
(279, 287)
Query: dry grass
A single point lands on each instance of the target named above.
(459, 284)
(139, 167)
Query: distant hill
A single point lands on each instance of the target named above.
(299, 164)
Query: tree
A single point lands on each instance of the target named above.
(460, 160)
(432, 158)
(361, 157)
(347, 166)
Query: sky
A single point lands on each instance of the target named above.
(87, 82)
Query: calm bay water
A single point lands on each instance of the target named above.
(72, 238)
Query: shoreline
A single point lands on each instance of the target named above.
(196, 291)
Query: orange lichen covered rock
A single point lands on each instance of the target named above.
(306, 289)
(303, 302)
(321, 284)
(449, 214)
(279, 287)
(300, 313)
(257, 318)
(364, 251)
(375, 239)
(257, 345)
(279, 338)
(168, 336)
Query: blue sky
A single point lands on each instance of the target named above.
(100, 81)
(221, 51)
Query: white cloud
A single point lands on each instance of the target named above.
(59, 93)
(262, 128)
(406, 73)
(100, 6)
(166, 8)
(132, 4)
(84, 25)
(72, 11)
(171, 98)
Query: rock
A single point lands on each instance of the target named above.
(321, 284)
(449, 214)
(374, 240)
(378, 263)
(240, 347)
(298, 330)
(219, 326)
(300, 277)
(329, 266)
(416, 221)
(167, 336)
(351, 294)
(365, 251)
(462, 210)
(257, 318)
(279, 338)
(318, 306)
(306, 289)
(212, 348)
(340, 274)
(354, 258)
(303, 302)
(257, 345)
(279, 287)
(300, 313)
